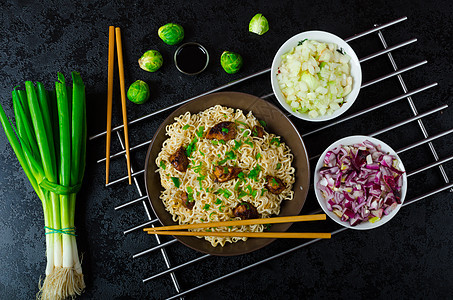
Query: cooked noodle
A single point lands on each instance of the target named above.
(215, 201)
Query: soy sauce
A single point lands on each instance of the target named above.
(191, 58)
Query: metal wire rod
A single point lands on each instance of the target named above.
(387, 50)
(400, 71)
(369, 109)
(424, 141)
(177, 267)
(131, 202)
(399, 124)
(380, 27)
(434, 164)
(155, 248)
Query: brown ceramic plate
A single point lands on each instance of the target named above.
(277, 123)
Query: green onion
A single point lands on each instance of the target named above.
(225, 130)
(253, 174)
(246, 133)
(218, 201)
(176, 181)
(162, 165)
(200, 131)
(206, 206)
(248, 142)
(200, 179)
(201, 152)
(214, 142)
(240, 122)
(51, 149)
(222, 142)
(237, 145)
(263, 123)
(186, 127)
(257, 156)
(212, 214)
(263, 191)
(275, 141)
(279, 165)
(191, 147)
(221, 208)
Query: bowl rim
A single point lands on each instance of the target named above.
(306, 180)
(322, 36)
(348, 141)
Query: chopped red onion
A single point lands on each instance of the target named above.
(360, 182)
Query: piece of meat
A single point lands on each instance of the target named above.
(222, 131)
(224, 174)
(245, 211)
(185, 201)
(258, 131)
(179, 159)
(274, 185)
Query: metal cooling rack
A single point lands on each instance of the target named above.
(417, 117)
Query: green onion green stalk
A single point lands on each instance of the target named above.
(49, 140)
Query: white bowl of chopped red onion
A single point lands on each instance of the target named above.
(360, 182)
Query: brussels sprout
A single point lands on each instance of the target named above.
(231, 62)
(258, 24)
(138, 92)
(171, 33)
(151, 61)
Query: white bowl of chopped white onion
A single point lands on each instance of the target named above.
(316, 76)
(360, 182)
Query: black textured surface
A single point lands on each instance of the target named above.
(409, 257)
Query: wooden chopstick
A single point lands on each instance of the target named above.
(111, 62)
(289, 219)
(272, 235)
(119, 51)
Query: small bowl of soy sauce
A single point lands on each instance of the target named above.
(191, 58)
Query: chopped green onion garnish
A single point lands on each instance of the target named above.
(200, 131)
(206, 206)
(186, 127)
(279, 165)
(257, 156)
(222, 142)
(218, 201)
(212, 214)
(221, 207)
(242, 123)
(263, 123)
(176, 181)
(162, 165)
(191, 147)
(225, 130)
(214, 142)
(276, 141)
(237, 144)
(201, 152)
(263, 191)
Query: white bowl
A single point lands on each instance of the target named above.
(321, 36)
(349, 141)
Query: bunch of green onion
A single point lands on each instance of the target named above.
(49, 140)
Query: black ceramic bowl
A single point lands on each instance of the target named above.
(277, 123)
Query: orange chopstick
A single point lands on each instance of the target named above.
(109, 100)
(274, 220)
(265, 235)
(119, 51)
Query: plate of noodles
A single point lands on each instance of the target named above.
(226, 156)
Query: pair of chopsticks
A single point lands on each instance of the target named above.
(119, 50)
(170, 230)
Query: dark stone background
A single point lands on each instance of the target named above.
(409, 257)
